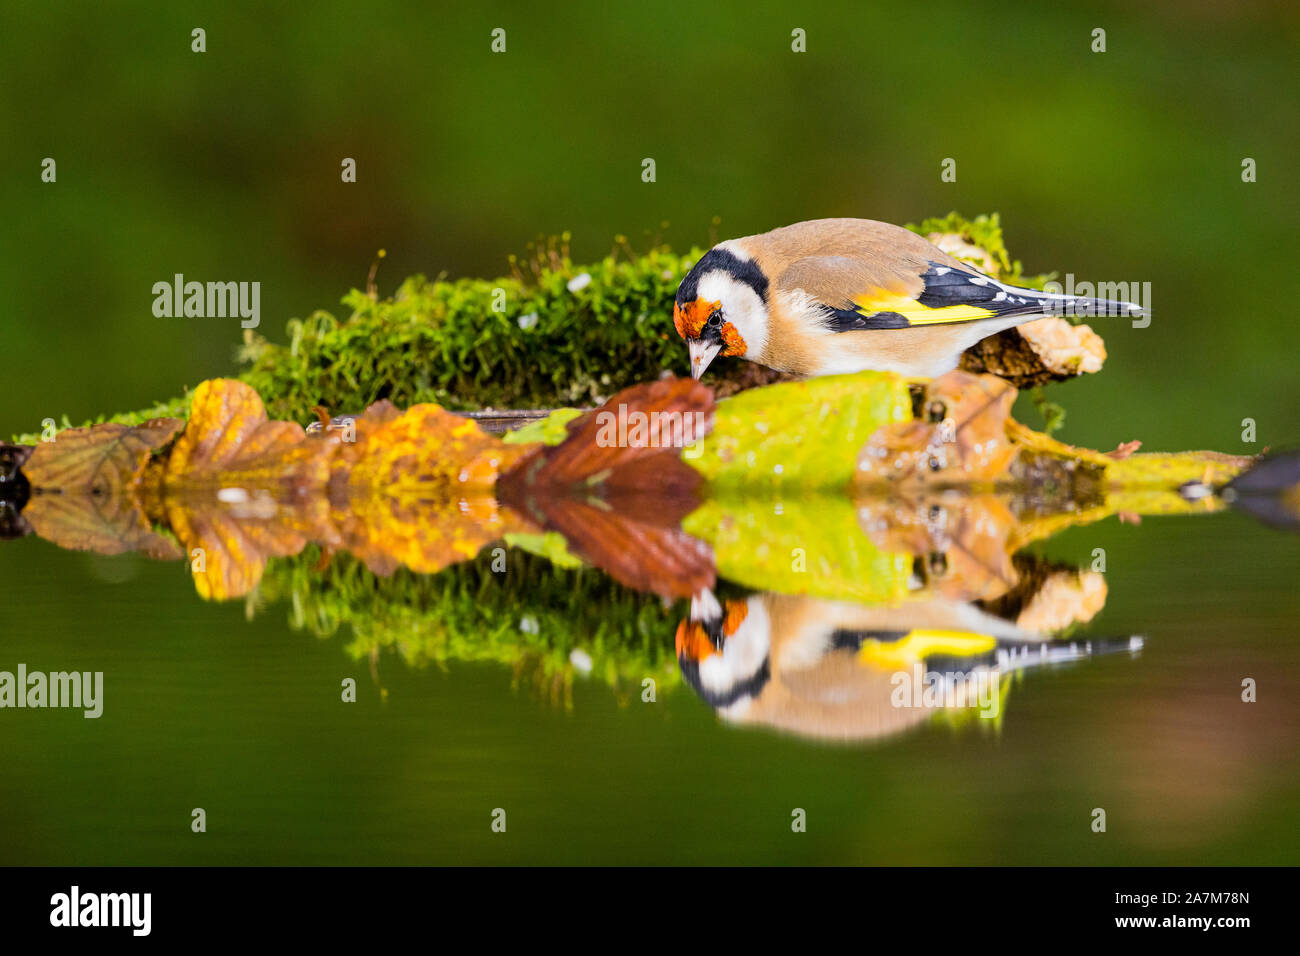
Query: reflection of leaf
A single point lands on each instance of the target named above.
(106, 524)
(549, 545)
(806, 544)
(618, 493)
(635, 540)
(413, 489)
(423, 534)
(229, 542)
(961, 540)
(85, 488)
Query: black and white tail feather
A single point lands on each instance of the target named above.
(953, 296)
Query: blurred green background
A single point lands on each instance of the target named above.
(1124, 165)
(1117, 166)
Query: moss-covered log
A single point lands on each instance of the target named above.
(550, 334)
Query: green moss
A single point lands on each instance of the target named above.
(173, 408)
(1053, 413)
(567, 335)
(985, 232)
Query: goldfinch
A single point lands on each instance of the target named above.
(832, 296)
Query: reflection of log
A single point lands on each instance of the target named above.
(738, 377)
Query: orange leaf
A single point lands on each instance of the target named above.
(228, 442)
(960, 439)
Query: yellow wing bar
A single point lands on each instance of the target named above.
(917, 314)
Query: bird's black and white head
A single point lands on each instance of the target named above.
(721, 307)
(724, 652)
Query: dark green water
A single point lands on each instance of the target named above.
(207, 707)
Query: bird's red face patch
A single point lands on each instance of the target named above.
(690, 318)
(732, 343)
(693, 642)
(737, 611)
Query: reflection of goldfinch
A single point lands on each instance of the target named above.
(830, 669)
(845, 295)
(825, 669)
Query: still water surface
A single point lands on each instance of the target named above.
(236, 708)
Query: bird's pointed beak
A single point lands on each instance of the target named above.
(702, 354)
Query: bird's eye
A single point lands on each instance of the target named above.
(715, 320)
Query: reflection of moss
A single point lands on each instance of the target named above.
(532, 616)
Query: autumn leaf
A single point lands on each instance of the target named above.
(229, 442)
(643, 423)
(229, 539)
(417, 488)
(638, 541)
(425, 451)
(97, 460)
(960, 439)
(85, 488)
